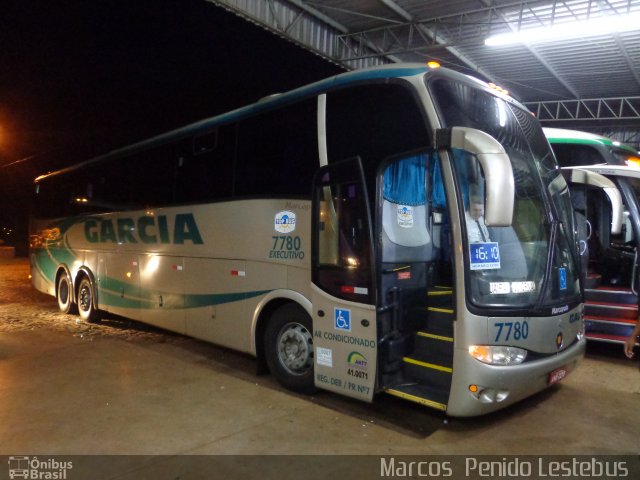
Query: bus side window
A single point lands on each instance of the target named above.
(328, 231)
(204, 143)
(343, 236)
(277, 152)
(151, 175)
(373, 122)
(343, 231)
(570, 155)
(205, 172)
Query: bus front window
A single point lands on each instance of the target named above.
(506, 264)
(531, 263)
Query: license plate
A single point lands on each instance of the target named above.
(557, 375)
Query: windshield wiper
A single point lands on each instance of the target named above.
(555, 225)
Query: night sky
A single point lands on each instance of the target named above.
(79, 78)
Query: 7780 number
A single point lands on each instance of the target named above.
(511, 330)
(286, 242)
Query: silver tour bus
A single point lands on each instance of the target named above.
(327, 231)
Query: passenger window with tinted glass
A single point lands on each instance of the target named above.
(205, 172)
(344, 228)
(278, 152)
(342, 234)
(569, 155)
(374, 122)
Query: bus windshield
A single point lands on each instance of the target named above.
(635, 185)
(531, 263)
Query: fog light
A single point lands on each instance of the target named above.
(488, 395)
(498, 354)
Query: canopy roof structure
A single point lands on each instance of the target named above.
(588, 78)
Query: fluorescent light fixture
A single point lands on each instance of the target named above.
(562, 31)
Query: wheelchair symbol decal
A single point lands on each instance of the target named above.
(342, 319)
(562, 273)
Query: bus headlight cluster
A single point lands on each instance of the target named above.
(498, 354)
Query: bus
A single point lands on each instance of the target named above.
(612, 277)
(323, 231)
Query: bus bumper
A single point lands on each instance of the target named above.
(479, 388)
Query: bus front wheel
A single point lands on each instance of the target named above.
(86, 306)
(64, 289)
(288, 345)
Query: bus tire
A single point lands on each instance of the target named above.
(288, 346)
(86, 303)
(64, 293)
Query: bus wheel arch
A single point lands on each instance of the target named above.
(65, 292)
(86, 297)
(287, 346)
(261, 324)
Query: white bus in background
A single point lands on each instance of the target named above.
(323, 231)
(612, 232)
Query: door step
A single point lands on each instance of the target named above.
(427, 370)
(438, 321)
(610, 313)
(421, 394)
(608, 329)
(432, 348)
(611, 295)
(594, 319)
(593, 280)
(603, 337)
(431, 362)
(613, 310)
(433, 375)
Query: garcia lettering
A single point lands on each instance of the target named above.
(146, 229)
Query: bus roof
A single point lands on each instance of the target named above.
(561, 135)
(273, 101)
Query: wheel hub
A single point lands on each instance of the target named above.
(85, 299)
(294, 348)
(63, 292)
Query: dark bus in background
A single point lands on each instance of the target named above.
(612, 276)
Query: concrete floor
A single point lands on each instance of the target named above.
(142, 391)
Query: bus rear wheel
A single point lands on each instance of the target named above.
(64, 289)
(86, 306)
(288, 345)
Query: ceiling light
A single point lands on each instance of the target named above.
(561, 31)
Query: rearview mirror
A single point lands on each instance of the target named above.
(586, 177)
(496, 165)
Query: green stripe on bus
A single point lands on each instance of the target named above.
(128, 298)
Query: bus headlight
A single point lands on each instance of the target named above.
(498, 354)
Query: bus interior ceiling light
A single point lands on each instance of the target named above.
(577, 29)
